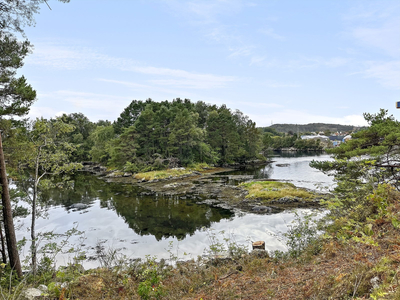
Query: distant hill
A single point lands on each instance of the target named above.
(313, 127)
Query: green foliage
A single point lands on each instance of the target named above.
(148, 135)
(101, 138)
(302, 233)
(370, 157)
(16, 95)
(150, 285)
(79, 136)
(221, 244)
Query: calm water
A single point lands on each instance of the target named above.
(293, 167)
(120, 216)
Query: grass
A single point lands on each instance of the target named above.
(270, 190)
(162, 174)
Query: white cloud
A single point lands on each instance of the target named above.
(126, 83)
(387, 73)
(385, 37)
(94, 106)
(257, 60)
(375, 24)
(241, 51)
(259, 105)
(78, 58)
(271, 33)
(276, 84)
(306, 63)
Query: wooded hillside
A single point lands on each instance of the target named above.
(313, 127)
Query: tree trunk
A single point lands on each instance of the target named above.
(8, 218)
(3, 246)
(34, 198)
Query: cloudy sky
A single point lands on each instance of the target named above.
(286, 61)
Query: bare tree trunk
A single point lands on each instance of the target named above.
(8, 218)
(34, 198)
(3, 246)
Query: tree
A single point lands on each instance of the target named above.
(80, 135)
(130, 114)
(222, 134)
(372, 156)
(46, 153)
(16, 96)
(185, 135)
(15, 14)
(101, 138)
(123, 150)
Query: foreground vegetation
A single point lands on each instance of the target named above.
(358, 257)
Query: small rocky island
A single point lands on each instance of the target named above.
(215, 187)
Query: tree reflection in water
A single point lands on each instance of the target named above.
(159, 216)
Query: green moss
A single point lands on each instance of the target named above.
(269, 190)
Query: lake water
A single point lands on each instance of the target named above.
(122, 217)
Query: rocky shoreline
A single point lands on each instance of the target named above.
(209, 187)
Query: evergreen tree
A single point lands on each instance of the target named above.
(372, 155)
(130, 114)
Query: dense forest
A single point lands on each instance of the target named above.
(152, 135)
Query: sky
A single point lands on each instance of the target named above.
(277, 61)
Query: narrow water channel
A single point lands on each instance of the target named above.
(124, 217)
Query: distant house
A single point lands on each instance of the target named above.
(336, 139)
(346, 138)
(315, 137)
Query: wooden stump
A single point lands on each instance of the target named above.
(259, 245)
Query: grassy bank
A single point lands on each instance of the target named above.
(272, 190)
(175, 172)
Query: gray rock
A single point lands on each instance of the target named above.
(43, 288)
(261, 208)
(31, 294)
(79, 206)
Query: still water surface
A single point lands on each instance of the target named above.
(120, 216)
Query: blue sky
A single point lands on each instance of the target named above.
(277, 61)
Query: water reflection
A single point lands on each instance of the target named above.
(293, 167)
(159, 216)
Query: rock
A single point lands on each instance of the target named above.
(282, 165)
(115, 174)
(78, 206)
(43, 288)
(127, 174)
(261, 208)
(196, 173)
(31, 294)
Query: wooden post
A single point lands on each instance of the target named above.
(259, 245)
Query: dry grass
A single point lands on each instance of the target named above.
(270, 190)
(162, 174)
